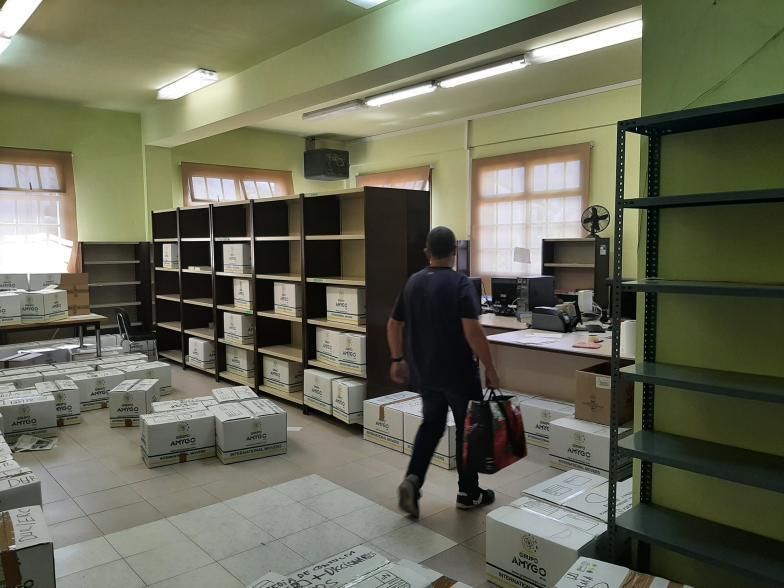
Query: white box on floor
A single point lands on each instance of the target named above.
(233, 394)
(249, 430)
(348, 396)
(67, 399)
(201, 353)
(29, 546)
(41, 281)
(62, 374)
(35, 414)
(531, 543)
(19, 488)
(583, 445)
(94, 387)
(171, 256)
(346, 305)
(49, 304)
(382, 424)
(287, 298)
(25, 380)
(151, 370)
(328, 345)
(186, 404)
(353, 353)
(236, 258)
(446, 452)
(238, 328)
(537, 414)
(175, 437)
(318, 389)
(587, 572)
(242, 294)
(281, 374)
(10, 308)
(14, 282)
(130, 399)
(240, 361)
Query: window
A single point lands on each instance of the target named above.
(415, 178)
(203, 183)
(520, 199)
(37, 212)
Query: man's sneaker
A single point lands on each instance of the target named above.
(408, 495)
(481, 498)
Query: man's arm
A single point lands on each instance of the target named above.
(398, 370)
(477, 340)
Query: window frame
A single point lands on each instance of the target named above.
(238, 174)
(409, 174)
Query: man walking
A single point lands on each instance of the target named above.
(434, 338)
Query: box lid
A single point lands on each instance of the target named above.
(262, 407)
(586, 427)
(565, 486)
(21, 528)
(230, 411)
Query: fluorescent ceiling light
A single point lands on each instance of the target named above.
(481, 74)
(4, 43)
(333, 110)
(590, 42)
(14, 14)
(409, 92)
(195, 80)
(367, 3)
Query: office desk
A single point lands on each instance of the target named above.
(80, 321)
(500, 324)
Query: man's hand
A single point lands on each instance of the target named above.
(491, 379)
(398, 372)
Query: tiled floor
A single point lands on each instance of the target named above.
(115, 522)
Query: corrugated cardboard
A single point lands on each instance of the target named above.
(240, 361)
(94, 387)
(238, 328)
(236, 258)
(41, 281)
(249, 430)
(176, 437)
(353, 353)
(14, 282)
(587, 572)
(34, 414)
(280, 374)
(287, 298)
(348, 396)
(383, 420)
(318, 389)
(537, 415)
(151, 370)
(10, 308)
(346, 305)
(592, 396)
(233, 394)
(67, 400)
(130, 399)
(201, 353)
(171, 255)
(19, 487)
(28, 550)
(328, 346)
(585, 446)
(242, 294)
(49, 304)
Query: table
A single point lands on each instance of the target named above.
(78, 320)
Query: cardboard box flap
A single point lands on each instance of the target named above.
(21, 528)
(262, 407)
(549, 529)
(565, 487)
(230, 411)
(563, 516)
(592, 572)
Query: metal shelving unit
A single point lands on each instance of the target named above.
(721, 545)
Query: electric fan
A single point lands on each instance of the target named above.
(595, 219)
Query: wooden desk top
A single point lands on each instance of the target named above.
(71, 321)
(563, 344)
(508, 323)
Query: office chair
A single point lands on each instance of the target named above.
(134, 335)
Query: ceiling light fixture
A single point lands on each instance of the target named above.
(333, 110)
(195, 80)
(367, 3)
(14, 14)
(482, 73)
(396, 95)
(590, 42)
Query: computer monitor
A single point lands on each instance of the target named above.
(503, 290)
(628, 302)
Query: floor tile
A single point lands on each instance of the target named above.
(61, 510)
(84, 477)
(156, 535)
(83, 556)
(457, 524)
(73, 531)
(285, 520)
(322, 541)
(172, 560)
(358, 470)
(211, 576)
(182, 501)
(251, 565)
(167, 484)
(459, 563)
(226, 489)
(201, 471)
(254, 504)
(117, 573)
(108, 499)
(66, 452)
(131, 469)
(125, 517)
(275, 470)
(414, 542)
(51, 491)
(372, 521)
(306, 487)
(476, 543)
(336, 503)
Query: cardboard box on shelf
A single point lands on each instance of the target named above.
(201, 353)
(233, 394)
(14, 282)
(67, 397)
(130, 399)
(348, 396)
(287, 298)
(446, 452)
(537, 415)
(28, 549)
(174, 437)
(353, 353)
(582, 445)
(346, 305)
(382, 422)
(328, 345)
(151, 370)
(249, 430)
(35, 414)
(238, 328)
(587, 572)
(592, 396)
(19, 487)
(171, 256)
(242, 294)
(94, 387)
(49, 304)
(240, 361)
(10, 308)
(318, 389)
(236, 258)
(281, 374)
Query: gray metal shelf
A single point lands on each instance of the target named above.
(659, 286)
(708, 199)
(752, 468)
(736, 384)
(758, 558)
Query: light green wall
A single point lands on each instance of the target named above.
(449, 150)
(698, 53)
(107, 160)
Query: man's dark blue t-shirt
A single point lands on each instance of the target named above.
(432, 305)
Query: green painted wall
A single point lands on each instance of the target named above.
(107, 160)
(698, 53)
(449, 150)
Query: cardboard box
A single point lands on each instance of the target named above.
(184, 404)
(585, 446)
(22, 380)
(445, 455)
(28, 550)
(348, 396)
(94, 387)
(281, 374)
(19, 487)
(176, 437)
(151, 370)
(10, 308)
(353, 353)
(49, 304)
(67, 397)
(14, 282)
(35, 414)
(287, 298)
(41, 281)
(236, 258)
(171, 256)
(531, 543)
(240, 361)
(238, 328)
(346, 305)
(242, 294)
(130, 399)
(537, 415)
(63, 374)
(249, 430)
(328, 345)
(233, 394)
(52, 354)
(592, 396)
(383, 424)
(587, 572)
(201, 353)
(318, 389)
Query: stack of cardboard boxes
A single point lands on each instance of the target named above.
(42, 297)
(335, 395)
(347, 351)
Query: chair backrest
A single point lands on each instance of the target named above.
(123, 322)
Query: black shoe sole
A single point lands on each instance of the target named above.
(408, 499)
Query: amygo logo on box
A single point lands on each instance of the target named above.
(25, 417)
(578, 446)
(183, 437)
(256, 433)
(127, 404)
(527, 559)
